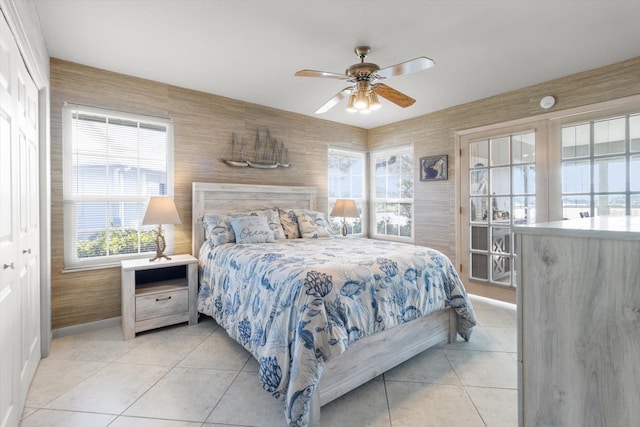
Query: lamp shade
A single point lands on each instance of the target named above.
(161, 210)
(345, 208)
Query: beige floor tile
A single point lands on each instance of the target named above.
(217, 351)
(113, 333)
(480, 340)
(364, 406)
(430, 405)
(56, 376)
(87, 347)
(247, 403)
(496, 316)
(51, 418)
(252, 365)
(498, 407)
(205, 327)
(223, 425)
(431, 366)
(111, 390)
(123, 421)
(162, 349)
(484, 368)
(507, 338)
(183, 394)
(28, 411)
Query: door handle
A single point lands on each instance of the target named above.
(5, 266)
(26, 251)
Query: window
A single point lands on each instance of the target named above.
(112, 163)
(601, 167)
(346, 181)
(392, 197)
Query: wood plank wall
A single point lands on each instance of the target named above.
(435, 134)
(203, 125)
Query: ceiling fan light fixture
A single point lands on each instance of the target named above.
(364, 77)
(374, 103)
(362, 101)
(351, 105)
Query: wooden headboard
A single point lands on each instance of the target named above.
(209, 197)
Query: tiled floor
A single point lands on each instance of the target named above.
(198, 377)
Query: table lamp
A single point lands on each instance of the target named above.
(161, 210)
(345, 208)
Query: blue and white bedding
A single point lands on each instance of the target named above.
(295, 304)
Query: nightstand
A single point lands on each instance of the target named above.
(158, 293)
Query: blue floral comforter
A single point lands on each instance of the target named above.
(297, 303)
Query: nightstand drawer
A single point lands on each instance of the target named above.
(162, 304)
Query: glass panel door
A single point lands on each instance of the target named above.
(500, 193)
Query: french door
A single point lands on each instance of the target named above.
(503, 184)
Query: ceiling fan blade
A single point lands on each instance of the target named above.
(335, 100)
(417, 64)
(324, 74)
(390, 94)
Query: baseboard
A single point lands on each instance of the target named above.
(86, 327)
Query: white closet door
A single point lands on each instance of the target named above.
(28, 227)
(19, 230)
(9, 283)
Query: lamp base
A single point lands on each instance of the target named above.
(161, 244)
(345, 231)
(159, 257)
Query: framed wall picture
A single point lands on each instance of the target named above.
(434, 168)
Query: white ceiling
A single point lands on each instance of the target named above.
(250, 49)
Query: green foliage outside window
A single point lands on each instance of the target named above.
(121, 241)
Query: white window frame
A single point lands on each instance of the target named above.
(336, 223)
(71, 260)
(373, 199)
(590, 119)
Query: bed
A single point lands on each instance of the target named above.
(321, 316)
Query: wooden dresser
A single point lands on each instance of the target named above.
(579, 322)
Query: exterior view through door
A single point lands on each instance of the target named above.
(498, 191)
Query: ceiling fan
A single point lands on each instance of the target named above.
(364, 89)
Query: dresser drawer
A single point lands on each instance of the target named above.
(162, 304)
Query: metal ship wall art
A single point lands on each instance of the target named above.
(268, 153)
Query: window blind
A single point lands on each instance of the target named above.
(346, 170)
(113, 163)
(392, 196)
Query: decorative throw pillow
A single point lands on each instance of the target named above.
(217, 229)
(313, 225)
(289, 221)
(252, 229)
(273, 218)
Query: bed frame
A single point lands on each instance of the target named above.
(364, 359)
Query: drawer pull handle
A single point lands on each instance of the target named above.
(163, 299)
(5, 266)
(26, 251)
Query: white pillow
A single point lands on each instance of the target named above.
(252, 229)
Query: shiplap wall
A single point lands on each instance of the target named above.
(434, 134)
(203, 125)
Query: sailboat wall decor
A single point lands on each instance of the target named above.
(236, 162)
(267, 153)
